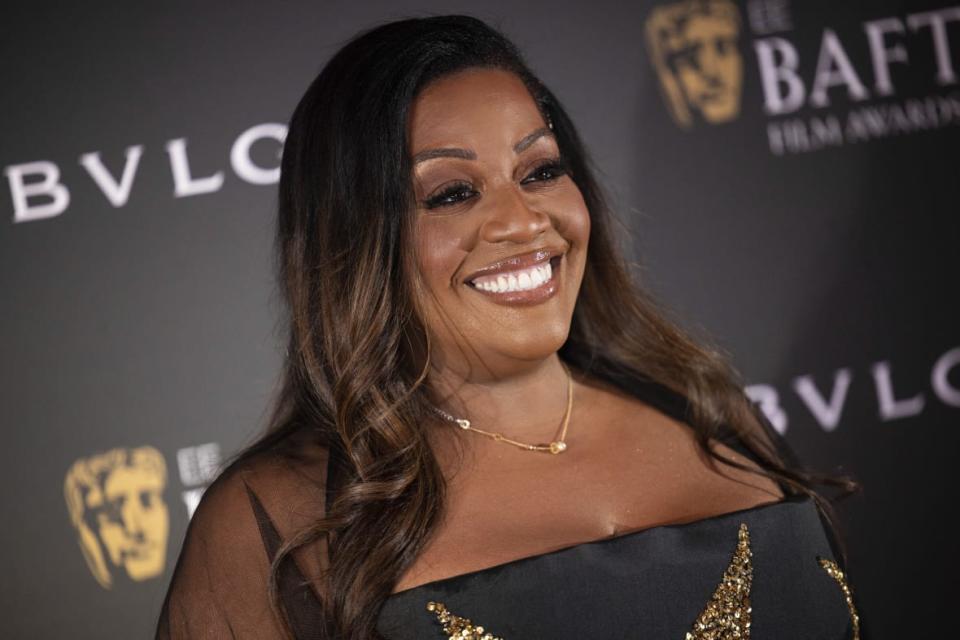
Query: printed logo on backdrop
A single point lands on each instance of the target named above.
(115, 500)
(693, 47)
(826, 399)
(814, 97)
(38, 192)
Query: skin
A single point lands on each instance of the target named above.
(627, 466)
(499, 360)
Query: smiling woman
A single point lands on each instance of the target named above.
(497, 213)
(483, 417)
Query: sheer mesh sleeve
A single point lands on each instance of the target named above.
(219, 585)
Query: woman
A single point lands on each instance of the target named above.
(482, 418)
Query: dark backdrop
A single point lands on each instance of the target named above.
(809, 226)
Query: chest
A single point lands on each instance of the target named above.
(503, 504)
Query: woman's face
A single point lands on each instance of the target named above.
(501, 229)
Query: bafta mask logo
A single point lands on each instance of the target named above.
(693, 47)
(115, 500)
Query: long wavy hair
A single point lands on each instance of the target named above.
(358, 354)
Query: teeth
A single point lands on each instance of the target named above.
(522, 280)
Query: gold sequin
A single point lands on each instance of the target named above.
(835, 572)
(727, 615)
(458, 628)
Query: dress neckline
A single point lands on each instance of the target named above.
(792, 499)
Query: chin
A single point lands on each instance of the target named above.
(539, 344)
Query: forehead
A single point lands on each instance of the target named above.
(471, 106)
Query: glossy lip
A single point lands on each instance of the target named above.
(530, 296)
(513, 263)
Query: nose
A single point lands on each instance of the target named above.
(511, 218)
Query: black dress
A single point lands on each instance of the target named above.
(766, 573)
(765, 568)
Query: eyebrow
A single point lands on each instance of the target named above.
(466, 154)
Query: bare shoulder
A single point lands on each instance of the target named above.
(668, 460)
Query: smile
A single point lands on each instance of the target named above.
(528, 285)
(520, 280)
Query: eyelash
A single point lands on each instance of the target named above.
(555, 166)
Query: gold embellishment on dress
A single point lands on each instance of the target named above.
(456, 627)
(837, 574)
(727, 616)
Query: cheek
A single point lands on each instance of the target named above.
(576, 224)
(439, 253)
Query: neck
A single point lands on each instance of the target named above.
(527, 404)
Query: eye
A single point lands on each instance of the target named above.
(454, 194)
(546, 171)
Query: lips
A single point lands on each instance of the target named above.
(526, 279)
(521, 262)
(521, 280)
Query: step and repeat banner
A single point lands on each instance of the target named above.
(786, 172)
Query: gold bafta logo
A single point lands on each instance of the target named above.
(693, 47)
(115, 501)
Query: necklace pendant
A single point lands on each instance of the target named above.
(557, 447)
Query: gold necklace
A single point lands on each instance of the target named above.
(555, 447)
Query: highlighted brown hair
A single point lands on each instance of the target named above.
(358, 351)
